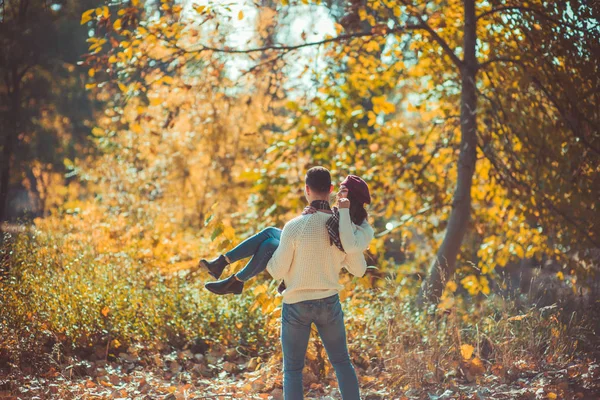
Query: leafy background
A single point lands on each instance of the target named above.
(141, 136)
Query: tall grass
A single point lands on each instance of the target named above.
(58, 291)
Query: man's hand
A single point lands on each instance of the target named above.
(309, 210)
(343, 202)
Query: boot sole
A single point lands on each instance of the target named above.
(221, 293)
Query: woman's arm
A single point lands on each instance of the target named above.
(355, 264)
(354, 241)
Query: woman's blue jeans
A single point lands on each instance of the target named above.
(296, 322)
(261, 247)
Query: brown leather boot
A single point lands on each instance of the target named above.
(215, 267)
(226, 286)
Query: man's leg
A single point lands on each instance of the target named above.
(259, 261)
(333, 334)
(295, 332)
(250, 246)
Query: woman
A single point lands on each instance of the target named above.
(350, 232)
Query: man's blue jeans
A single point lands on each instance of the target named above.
(296, 322)
(261, 247)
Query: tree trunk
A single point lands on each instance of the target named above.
(8, 145)
(444, 263)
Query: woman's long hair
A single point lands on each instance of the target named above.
(357, 209)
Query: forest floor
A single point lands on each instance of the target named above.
(224, 374)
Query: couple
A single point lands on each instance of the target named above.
(308, 255)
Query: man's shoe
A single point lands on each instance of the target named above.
(225, 286)
(215, 267)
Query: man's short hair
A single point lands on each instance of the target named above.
(318, 179)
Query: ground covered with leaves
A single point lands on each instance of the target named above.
(225, 373)
(79, 321)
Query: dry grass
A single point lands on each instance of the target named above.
(64, 302)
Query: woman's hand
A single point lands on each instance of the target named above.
(342, 196)
(309, 210)
(343, 202)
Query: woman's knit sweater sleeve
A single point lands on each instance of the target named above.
(355, 263)
(355, 239)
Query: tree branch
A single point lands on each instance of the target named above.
(499, 59)
(422, 25)
(445, 46)
(457, 61)
(306, 44)
(534, 11)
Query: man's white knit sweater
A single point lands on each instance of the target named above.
(307, 261)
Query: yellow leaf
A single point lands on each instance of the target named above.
(90, 86)
(260, 289)
(446, 303)
(155, 101)
(105, 310)
(241, 15)
(466, 350)
(105, 12)
(200, 9)
(98, 132)
(362, 14)
(87, 16)
(518, 317)
(135, 3)
(91, 72)
(551, 395)
(117, 24)
(137, 128)
(451, 286)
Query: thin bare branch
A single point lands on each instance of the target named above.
(540, 13)
(280, 47)
(499, 59)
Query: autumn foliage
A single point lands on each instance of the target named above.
(200, 136)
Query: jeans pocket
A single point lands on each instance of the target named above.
(335, 311)
(332, 299)
(290, 314)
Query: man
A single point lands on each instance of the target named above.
(310, 266)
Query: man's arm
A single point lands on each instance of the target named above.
(281, 261)
(354, 242)
(355, 263)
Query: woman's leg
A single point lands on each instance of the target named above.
(259, 261)
(245, 249)
(235, 283)
(250, 246)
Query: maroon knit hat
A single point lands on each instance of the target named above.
(358, 188)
